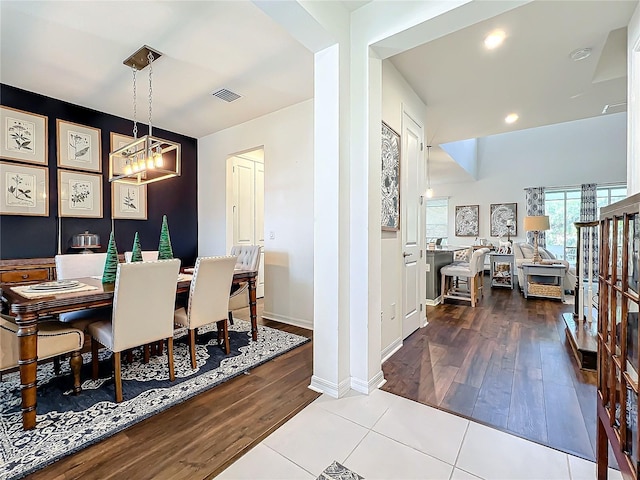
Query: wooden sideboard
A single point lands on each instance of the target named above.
(27, 270)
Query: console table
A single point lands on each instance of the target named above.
(502, 268)
(554, 289)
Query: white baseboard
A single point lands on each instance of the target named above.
(297, 322)
(391, 349)
(330, 388)
(433, 303)
(367, 387)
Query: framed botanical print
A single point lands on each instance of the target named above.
(390, 179)
(25, 190)
(24, 136)
(119, 141)
(79, 194)
(467, 220)
(79, 147)
(504, 219)
(128, 201)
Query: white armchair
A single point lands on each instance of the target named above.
(523, 253)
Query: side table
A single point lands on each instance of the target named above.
(531, 288)
(502, 268)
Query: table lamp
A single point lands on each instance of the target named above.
(536, 224)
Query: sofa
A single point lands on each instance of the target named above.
(523, 253)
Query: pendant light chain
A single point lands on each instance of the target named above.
(150, 59)
(135, 109)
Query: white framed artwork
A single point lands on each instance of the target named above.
(118, 141)
(79, 194)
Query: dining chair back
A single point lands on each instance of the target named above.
(143, 304)
(248, 259)
(473, 274)
(147, 256)
(80, 265)
(208, 299)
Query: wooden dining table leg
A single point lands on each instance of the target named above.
(252, 308)
(28, 363)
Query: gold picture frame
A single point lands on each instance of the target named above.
(79, 147)
(25, 190)
(128, 201)
(79, 194)
(24, 136)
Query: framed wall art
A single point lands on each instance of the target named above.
(128, 201)
(79, 194)
(118, 141)
(467, 220)
(79, 147)
(24, 136)
(504, 219)
(25, 190)
(390, 179)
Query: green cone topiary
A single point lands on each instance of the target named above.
(164, 249)
(111, 265)
(136, 251)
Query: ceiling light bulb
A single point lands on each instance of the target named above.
(494, 39)
(429, 192)
(511, 118)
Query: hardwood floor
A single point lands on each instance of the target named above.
(504, 363)
(202, 436)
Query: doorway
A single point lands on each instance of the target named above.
(247, 204)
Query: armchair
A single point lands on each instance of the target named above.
(208, 299)
(143, 305)
(54, 339)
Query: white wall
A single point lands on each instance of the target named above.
(396, 95)
(287, 137)
(572, 153)
(633, 97)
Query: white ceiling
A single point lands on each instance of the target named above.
(74, 51)
(469, 90)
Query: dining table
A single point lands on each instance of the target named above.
(29, 310)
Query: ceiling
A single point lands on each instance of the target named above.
(469, 90)
(74, 51)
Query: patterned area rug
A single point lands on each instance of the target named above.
(336, 471)
(68, 423)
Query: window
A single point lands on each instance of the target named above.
(563, 208)
(437, 218)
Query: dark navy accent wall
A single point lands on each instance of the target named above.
(28, 237)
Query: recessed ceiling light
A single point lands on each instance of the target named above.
(511, 118)
(580, 54)
(494, 39)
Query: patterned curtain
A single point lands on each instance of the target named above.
(535, 207)
(589, 213)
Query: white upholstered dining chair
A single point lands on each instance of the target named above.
(248, 259)
(143, 305)
(54, 339)
(147, 256)
(208, 299)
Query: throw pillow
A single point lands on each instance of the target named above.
(527, 250)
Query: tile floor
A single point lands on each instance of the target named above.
(383, 436)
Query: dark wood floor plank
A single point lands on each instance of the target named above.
(527, 415)
(505, 353)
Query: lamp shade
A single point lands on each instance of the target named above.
(536, 223)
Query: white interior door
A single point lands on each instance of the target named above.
(248, 208)
(410, 224)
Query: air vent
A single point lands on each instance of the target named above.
(226, 95)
